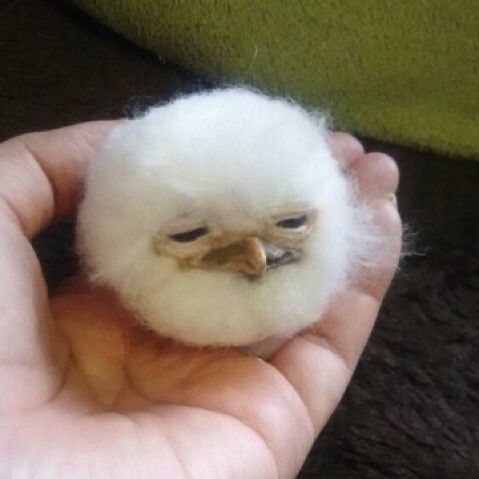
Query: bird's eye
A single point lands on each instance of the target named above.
(294, 222)
(188, 236)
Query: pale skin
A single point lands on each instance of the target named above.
(85, 393)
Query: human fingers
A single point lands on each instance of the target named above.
(346, 148)
(40, 177)
(320, 362)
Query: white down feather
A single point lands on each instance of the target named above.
(231, 158)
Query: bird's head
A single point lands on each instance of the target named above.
(219, 218)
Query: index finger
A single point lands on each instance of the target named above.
(41, 173)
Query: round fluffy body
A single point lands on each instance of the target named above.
(231, 158)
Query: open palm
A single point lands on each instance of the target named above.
(85, 393)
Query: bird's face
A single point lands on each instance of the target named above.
(275, 242)
(219, 219)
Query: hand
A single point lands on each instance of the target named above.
(84, 392)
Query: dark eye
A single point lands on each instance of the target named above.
(188, 236)
(293, 223)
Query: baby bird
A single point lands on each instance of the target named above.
(222, 218)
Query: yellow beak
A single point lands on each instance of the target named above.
(246, 256)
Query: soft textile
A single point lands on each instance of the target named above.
(405, 71)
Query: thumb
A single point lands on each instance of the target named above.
(40, 177)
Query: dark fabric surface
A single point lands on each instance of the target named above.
(412, 409)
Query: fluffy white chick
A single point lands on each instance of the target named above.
(222, 218)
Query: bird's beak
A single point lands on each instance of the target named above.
(246, 256)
